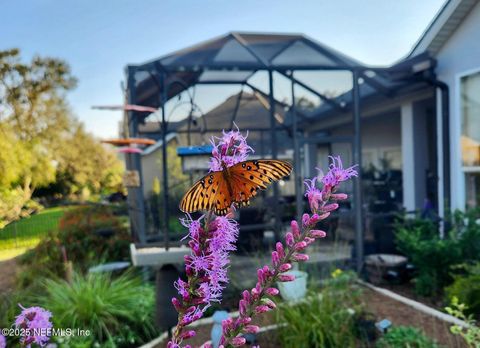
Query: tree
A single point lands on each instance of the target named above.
(33, 109)
(84, 166)
(45, 143)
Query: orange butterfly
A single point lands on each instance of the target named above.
(217, 191)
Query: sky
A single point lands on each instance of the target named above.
(99, 38)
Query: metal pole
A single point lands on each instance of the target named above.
(135, 194)
(164, 162)
(273, 134)
(357, 159)
(296, 155)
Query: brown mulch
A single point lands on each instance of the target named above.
(8, 270)
(400, 314)
(408, 290)
(381, 306)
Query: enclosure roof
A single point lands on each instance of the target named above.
(232, 58)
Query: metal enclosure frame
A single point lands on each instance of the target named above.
(174, 73)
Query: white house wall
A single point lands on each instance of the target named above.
(460, 55)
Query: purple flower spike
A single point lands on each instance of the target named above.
(3, 341)
(322, 201)
(337, 173)
(232, 148)
(34, 318)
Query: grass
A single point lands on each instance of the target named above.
(26, 233)
(11, 253)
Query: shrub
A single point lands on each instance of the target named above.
(323, 320)
(86, 236)
(405, 336)
(433, 256)
(466, 288)
(118, 312)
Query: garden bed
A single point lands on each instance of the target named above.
(382, 307)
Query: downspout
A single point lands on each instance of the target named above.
(444, 89)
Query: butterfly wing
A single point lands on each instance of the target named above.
(249, 176)
(208, 193)
(245, 178)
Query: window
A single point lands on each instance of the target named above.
(470, 139)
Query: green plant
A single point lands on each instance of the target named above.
(471, 333)
(117, 311)
(432, 256)
(466, 288)
(467, 226)
(405, 336)
(86, 236)
(325, 319)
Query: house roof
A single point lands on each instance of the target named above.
(441, 28)
(158, 145)
(252, 114)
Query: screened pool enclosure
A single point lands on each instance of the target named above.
(285, 84)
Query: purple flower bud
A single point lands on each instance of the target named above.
(285, 267)
(280, 250)
(339, 196)
(242, 307)
(227, 324)
(317, 234)
(305, 220)
(295, 229)
(289, 239)
(251, 329)
(190, 310)
(272, 291)
(330, 207)
(260, 276)
(270, 304)
(262, 309)
(300, 257)
(246, 296)
(286, 277)
(188, 334)
(324, 216)
(300, 245)
(186, 321)
(238, 341)
(245, 320)
(314, 219)
(199, 300)
(275, 258)
(177, 304)
(309, 240)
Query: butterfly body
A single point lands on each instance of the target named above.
(217, 191)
